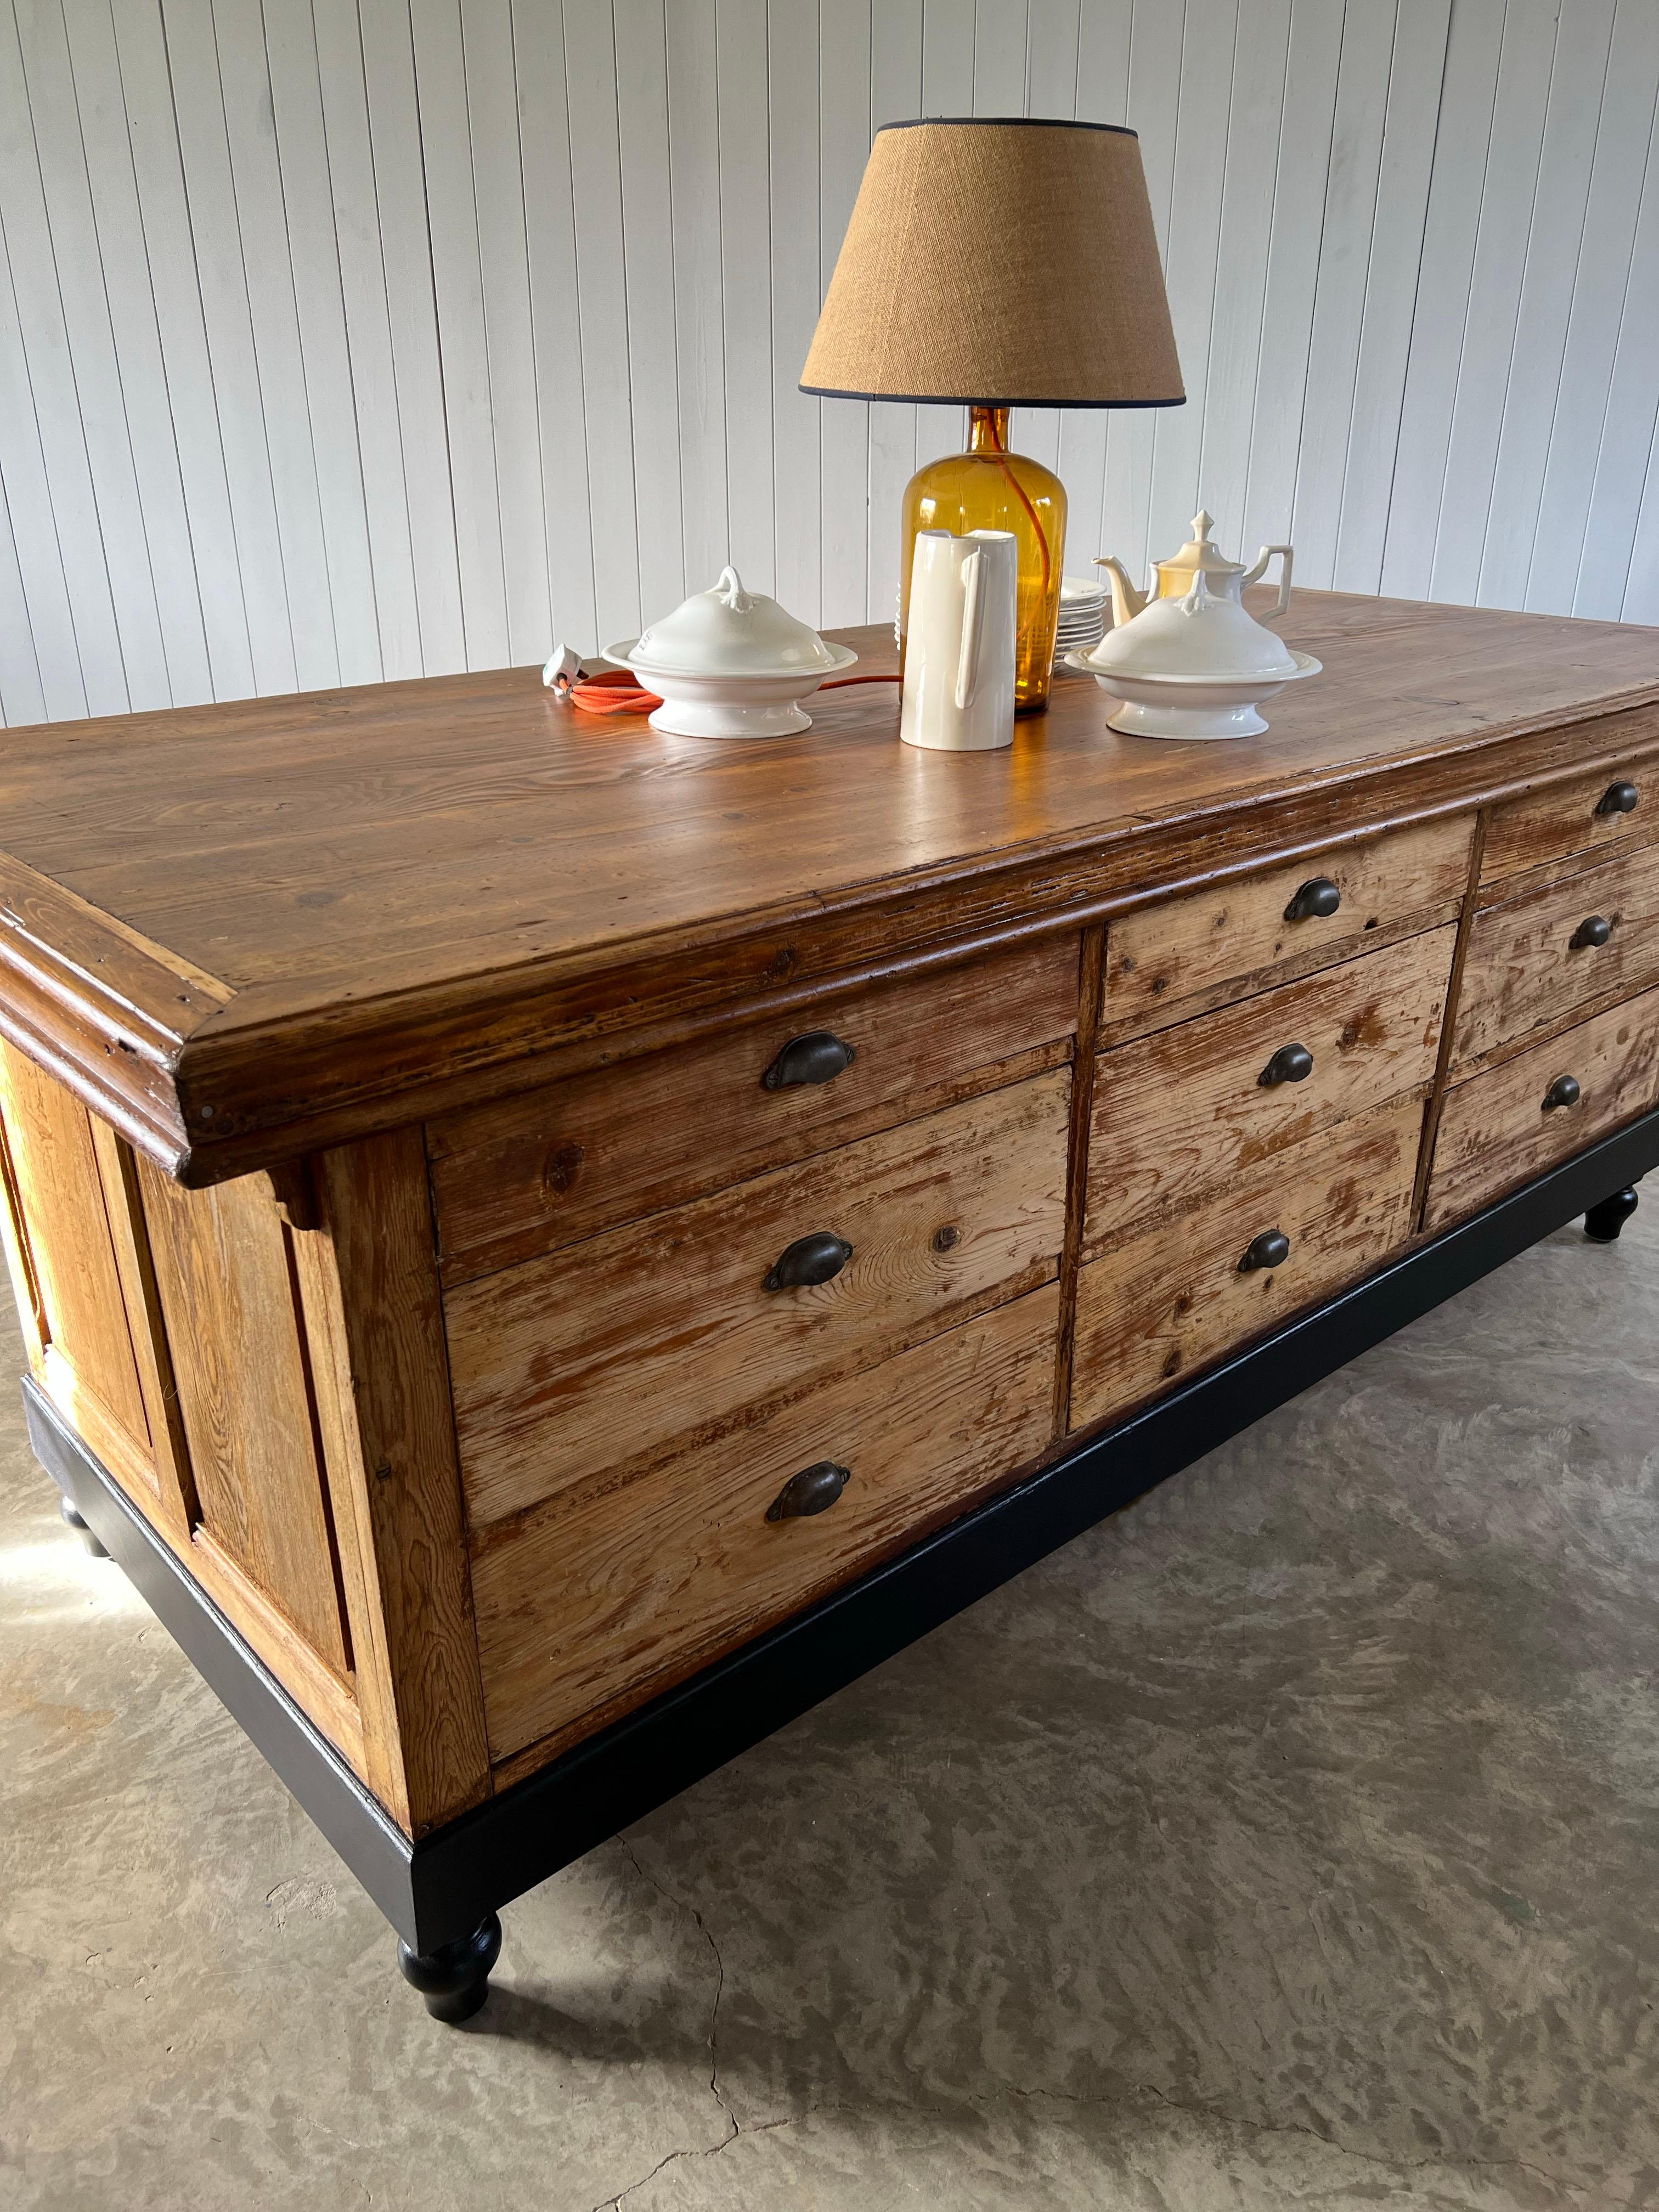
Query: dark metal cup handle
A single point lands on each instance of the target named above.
(815, 1259)
(818, 1057)
(1291, 1063)
(814, 1490)
(1316, 901)
(1271, 1250)
(1564, 1091)
(1591, 933)
(1619, 798)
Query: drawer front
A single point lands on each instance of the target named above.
(1164, 1305)
(1533, 961)
(610, 1592)
(1497, 1130)
(1230, 935)
(1570, 818)
(1176, 1113)
(602, 1355)
(529, 1174)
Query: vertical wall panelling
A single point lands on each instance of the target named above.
(349, 169)
(694, 158)
(1530, 395)
(895, 93)
(492, 110)
(296, 96)
(388, 58)
(1371, 433)
(793, 108)
(543, 145)
(843, 424)
(89, 76)
(1191, 262)
(648, 256)
(1293, 255)
(1102, 95)
(44, 385)
(259, 223)
(350, 337)
(452, 215)
(591, 96)
(1601, 296)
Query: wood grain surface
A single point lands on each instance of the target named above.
(406, 891)
(531, 1173)
(369, 1282)
(1181, 1111)
(611, 1591)
(1236, 939)
(1154, 1310)
(234, 1331)
(78, 1285)
(601, 1354)
(1524, 975)
(1495, 1131)
(1562, 821)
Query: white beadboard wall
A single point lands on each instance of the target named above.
(351, 338)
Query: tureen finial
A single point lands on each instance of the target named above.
(1202, 525)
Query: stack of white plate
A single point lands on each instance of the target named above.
(1082, 615)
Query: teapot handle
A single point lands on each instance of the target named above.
(973, 622)
(1286, 553)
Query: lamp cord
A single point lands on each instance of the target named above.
(1001, 453)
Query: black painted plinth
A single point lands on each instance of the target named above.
(441, 1893)
(454, 1979)
(1604, 1221)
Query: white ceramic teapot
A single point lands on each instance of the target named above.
(1191, 660)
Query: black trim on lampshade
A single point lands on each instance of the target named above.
(1007, 122)
(955, 398)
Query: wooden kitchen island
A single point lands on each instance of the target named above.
(546, 1248)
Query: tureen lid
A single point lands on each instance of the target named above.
(727, 631)
(1200, 551)
(1205, 635)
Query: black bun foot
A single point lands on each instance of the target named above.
(1603, 1223)
(71, 1513)
(454, 1979)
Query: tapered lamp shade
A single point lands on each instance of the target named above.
(1001, 263)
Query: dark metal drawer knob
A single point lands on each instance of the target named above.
(818, 1057)
(1271, 1250)
(814, 1490)
(1564, 1091)
(815, 1259)
(1291, 1063)
(1618, 799)
(1316, 901)
(1595, 931)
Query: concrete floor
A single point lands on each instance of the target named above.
(1291, 1840)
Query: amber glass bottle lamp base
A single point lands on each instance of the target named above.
(988, 488)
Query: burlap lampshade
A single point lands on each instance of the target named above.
(1005, 263)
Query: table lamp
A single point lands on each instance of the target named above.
(1001, 263)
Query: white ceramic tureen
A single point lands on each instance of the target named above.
(1189, 661)
(729, 663)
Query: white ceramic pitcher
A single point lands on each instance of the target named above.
(959, 646)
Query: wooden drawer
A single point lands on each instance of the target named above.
(1172, 1299)
(601, 1355)
(1529, 965)
(1496, 1130)
(1217, 944)
(1176, 1113)
(529, 1174)
(1567, 818)
(609, 1593)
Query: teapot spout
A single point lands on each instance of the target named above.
(1126, 602)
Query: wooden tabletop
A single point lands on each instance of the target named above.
(242, 930)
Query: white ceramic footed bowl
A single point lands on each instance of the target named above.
(1204, 707)
(728, 706)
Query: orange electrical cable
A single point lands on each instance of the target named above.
(619, 691)
(1000, 452)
